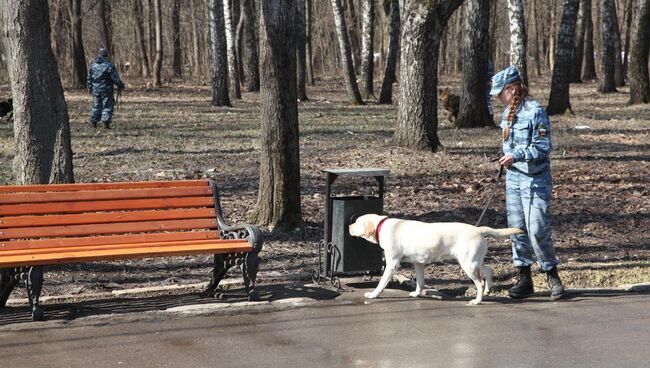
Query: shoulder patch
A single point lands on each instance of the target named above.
(542, 130)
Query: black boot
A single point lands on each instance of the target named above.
(524, 286)
(554, 284)
(107, 124)
(93, 124)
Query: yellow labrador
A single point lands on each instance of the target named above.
(421, 243)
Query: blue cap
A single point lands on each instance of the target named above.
(503, 78)
(102, 52)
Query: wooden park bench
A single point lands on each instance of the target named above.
(70, 223)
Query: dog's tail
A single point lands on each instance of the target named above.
(499, 233)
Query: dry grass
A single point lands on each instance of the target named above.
(601, 197)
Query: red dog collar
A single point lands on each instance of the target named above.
(379, 225)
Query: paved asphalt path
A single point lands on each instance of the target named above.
(585, 331)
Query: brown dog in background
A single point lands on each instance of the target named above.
(450, 102)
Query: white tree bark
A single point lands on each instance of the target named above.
(233, 64)
(518, 37)
(367, 50)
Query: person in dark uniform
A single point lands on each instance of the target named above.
(102, 76)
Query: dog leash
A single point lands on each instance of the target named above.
(491, 195)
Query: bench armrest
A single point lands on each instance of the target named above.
(244, 231)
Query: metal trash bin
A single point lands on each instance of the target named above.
(341, 254)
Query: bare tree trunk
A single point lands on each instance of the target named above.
(278, 201)
(139, 31)
(422, 27)
(386, 92)
(219, 55)
(79, 68)
(346, 54)
(552, 35)
(177, 64)
(588, 63)
(308, 31)
(608, 57)
(43, 152)
(106, 26)
(157, 67)
(619, 74)
(535, 27)
(628, 27)
(367, 50)
(151, 24)
(250, 57)
(301, 52)
(559, 99)
(474, 111)
(59, 39)
(639, 78)
(233, 64)
(196, 48)
(578, 50)
(353, 32)
(518, 37)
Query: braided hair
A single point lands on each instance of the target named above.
(520, 94)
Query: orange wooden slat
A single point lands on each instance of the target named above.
(117, 205)
(223, 246)
(102, 229)
(110, 239)
(99, 246)
(105, 217)
(100, 186)
(98, 195)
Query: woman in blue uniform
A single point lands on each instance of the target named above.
(526, 135)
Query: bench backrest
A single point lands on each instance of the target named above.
(71, 215)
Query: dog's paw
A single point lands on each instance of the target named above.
(370, 295)
(415, 294)
(474, 302)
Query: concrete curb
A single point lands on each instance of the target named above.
(229, 283)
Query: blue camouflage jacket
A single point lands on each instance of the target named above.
(529, 141)
(102, 75)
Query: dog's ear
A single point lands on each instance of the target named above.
(368, 229)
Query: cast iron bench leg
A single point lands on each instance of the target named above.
(7, 283)
(249, 268)
(34, 284)
(219, 270)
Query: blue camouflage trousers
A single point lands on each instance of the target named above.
(103, 103)
(528, 200)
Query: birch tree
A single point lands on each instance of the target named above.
(346, 53)
(608, 54)
(140, 36)
(177, 63)
(639, 79)
(278, 201)
(367, 50)
(79, 67)
(386, 91)
(474, 94)
(518, 37)
(588, 62)
(218, 55)
(578, 50)
(250, 58)
(157, 66)
(301, 50)
(422, 25)
(233, 64)
(559, 99)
